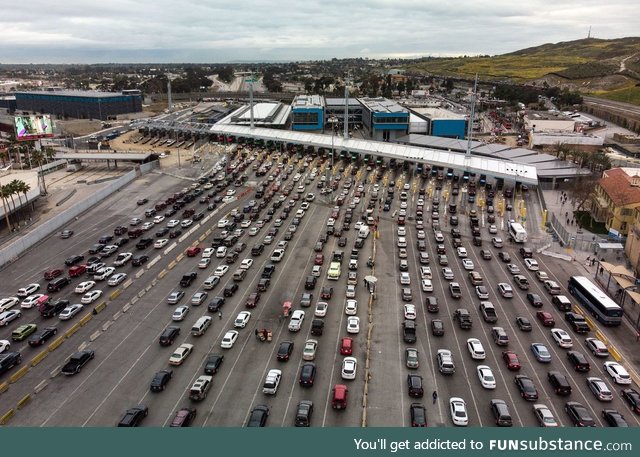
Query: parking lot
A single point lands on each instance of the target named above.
(128, 354)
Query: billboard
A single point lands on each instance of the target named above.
(30, 128)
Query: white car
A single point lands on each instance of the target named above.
(147, 226)
(439, 237)
(222, 223)
(158, 219)
(462, 252)
(351, 291)
(561, 338)
(487, 380)
(321, 309)
(482, 292)
(246, 224)
(208, 252)
(447, 273)
(7, 303)
(475, 349)
(351, 307)
(103, 273)
(70, 311)
(246, 264)
(497, 242)
(135, 221)
(401, 231)
(425, 272)
(427, 285)
(84, 287)
(228, 339)
(349, 368)
(409, 312)
(513, 268)
(505, 290)
(421, 235)
(180, 354)
(122, 258)
(221, 252)
(353, 324)
(4, 345)
(9, 316)
(532, 264)
(30, 301)
(277, 255)
(91, 296)
(28, 290)
(241, 319)
(186, 223)
(617, 373)
(405, 279)
(493, 229)
(253, 231)
(544, 416)
(117, 279)
(160, 243)
(467, 264)
(221, 270)
(180, 313)
(173, 223)
(296, 320)
(458, 409)
(542, 276)
(309, 350)
(204, 262)
(402, 242)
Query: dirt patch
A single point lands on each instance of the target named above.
(78, 127)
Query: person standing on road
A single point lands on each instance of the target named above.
(220, 315)
(434, 395)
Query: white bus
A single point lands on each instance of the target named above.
(517, 232)
(334, 271)
(595, 300)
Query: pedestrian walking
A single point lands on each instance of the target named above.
(220, 315)
(434, 396)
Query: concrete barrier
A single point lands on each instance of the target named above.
(180, 257)
(126, 308)
(4, 387)
(202, 238)
(601, 337)
(40, 387)
(127, 283)
(148, 288)
(74, 328)
(615, 354)
(99, 308)
(82, 346)
(57, 342)
(154, 282)
(94, 336)
(55, 372)
(153, 262)
(170, 248)
(117, 315)
(208, 232)
(139, 273)
(115, 294)
(38, 358)
(23, 401)
(134, 300)
(106, 326)
(86, 318)
(6, 417)
(18, 374)
(162, 274)
(171, 265)
(141, 293)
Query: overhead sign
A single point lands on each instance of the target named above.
(29, 128)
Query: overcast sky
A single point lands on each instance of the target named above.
(81, 31)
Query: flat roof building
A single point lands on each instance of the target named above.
(385, 119)
(265, 114)
(307, 112)
(443, 123)
(544, 121)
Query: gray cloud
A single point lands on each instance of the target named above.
(76, 31)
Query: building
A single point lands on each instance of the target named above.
(616, 198)
(80, 104)
(265, 114)
(384, 119)
(632, 246)
(549, 141)
(545, 121)
(307, 113)
(334, 108)
(443, 123)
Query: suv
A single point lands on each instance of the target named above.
(188, 278)
(499, 336)
(414, 382)
(169, 335)
(303, 413)
(134, 416)
(409, 331)
(577, 321)
(463, 317)
(310, 282)
(559, 383)
(8, 360)
(501, 413)
(579, 361)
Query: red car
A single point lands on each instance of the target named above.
(319, 260)
(53, 273)
(401, 220)
(326, 293)
(546, 318)
(346, 346)
(77, 270)
(511, 359)
(193, 251)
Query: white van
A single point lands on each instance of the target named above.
(363, 232)
(201, 326)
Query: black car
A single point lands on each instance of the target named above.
(138, 260)
(105, 239)
(162, 232)
(134, 416)
(307, 374)
(310, 283)
(523, 324)
(579, 361)
(8, 360)
(144, 243)
(77, 361)
(504, 256)
(175, 233)
(303, 413)
(121, 242)
(284, 350)
(230, 289)
(215, 304)
(414, 383)
(258, 416)
(213, 363)
(578, 414)
(183, 418)
(142, 201)
(53, 309)
(437, 327)
(559, 383)
(169, 335)
(632, 397)
(73, 260)
(188, 278)
(527, 388)
(534, 300)
(160, 380)
(613, 418)
(39, 338)
(418, 415)
(257, 249)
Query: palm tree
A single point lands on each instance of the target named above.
(17, 186)
(25, 188)
(11, 189)
(4, 193)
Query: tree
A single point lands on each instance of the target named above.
(4, 194)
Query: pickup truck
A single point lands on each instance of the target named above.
(488, 312)
(8, 360)
(337, 256)
(409, 331)
(577, 321)
(463, 317)
(77, 361)
(188, 278)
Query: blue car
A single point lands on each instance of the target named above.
(541, 353)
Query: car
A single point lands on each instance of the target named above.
(425, 272)
(160, 380)
(321, 309)
(540, 352)
(168, 336)
(246, 264)
(579, 361)
(229, 339)
(272, 381)
(527, 389)
(349, 368)
(28, 290)
(284, 350)
(5, 345)
(134, 416)
(66, 234)
(531, 264)
(204, 262)
(73, 260)
(84, 287)
(599, 388)
(326, 292)
(632, 397)
(542, 276)
(512, 361)
(77, 361)
(198, 298)
(183, 418)
(561, 338)
(173, 223)
(523, 324)
(70, 311)
(447, 273)
(458, 411)
(426, 285)
(221, 270)
(597, 347)
(353, 324)
(175, 233)
(351, 291)
(31, 301)
(545, 318)
(409, 311)
(116, 279)
(160, 243)
(23, 331)
(8, 303)
(216, 304)
(579, 415)
(505, 290)
(242, 319)
(147, 226)
(613, 418)
(180, 354)
(91, 296)
(504, 256)
(493, 229)
(258, 416)
(139, 260)
(297, 317)
(618, 373)
(487, 380)
(103, 273)
(467, 264)
(175, 297)
(534, 300)
(307, 374)
(213, 363)
(482, 292)
(544, 416)
(475, 349)
(180, 313)
(415, 385)
(405, 279)
(38, 338)
(186, 223)
(309, 350)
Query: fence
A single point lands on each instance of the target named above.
(15, 249)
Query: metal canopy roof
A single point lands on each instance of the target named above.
(497, 168)
(102, 156)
